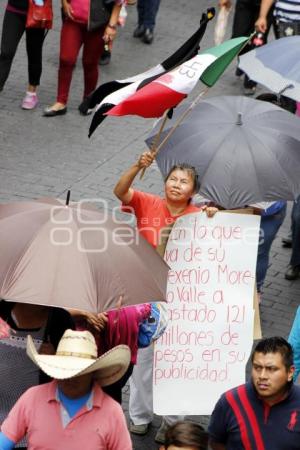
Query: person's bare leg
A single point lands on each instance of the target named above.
(31, 88)
(57, 106)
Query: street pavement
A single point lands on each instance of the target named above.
(47, 156)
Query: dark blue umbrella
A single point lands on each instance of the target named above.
(275, 65)
(244, 150)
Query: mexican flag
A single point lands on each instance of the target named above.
(107, 95)
(168, 90)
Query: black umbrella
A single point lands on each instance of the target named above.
(244, 150)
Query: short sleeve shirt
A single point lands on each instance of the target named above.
(38, 414)
(241, 420)
(152, 215)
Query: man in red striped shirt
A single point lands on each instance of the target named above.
(263, 414)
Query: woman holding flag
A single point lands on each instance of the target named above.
(153, 215)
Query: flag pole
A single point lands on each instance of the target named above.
(190, 108)
(181, 118)
(155, 149)
(156, 140)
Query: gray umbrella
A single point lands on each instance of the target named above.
(244, 150)
(275, 65)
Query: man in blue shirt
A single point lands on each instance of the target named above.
(263, 414)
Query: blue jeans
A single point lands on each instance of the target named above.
(269, 226)
(295, 258)
(147, 10)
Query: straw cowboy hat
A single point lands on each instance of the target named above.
(76, 355)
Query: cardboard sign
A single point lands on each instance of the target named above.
(210, 304)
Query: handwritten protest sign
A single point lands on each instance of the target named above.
(210, 305)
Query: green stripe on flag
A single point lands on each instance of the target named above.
(224, 53)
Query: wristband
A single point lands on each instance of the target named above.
(114, 27)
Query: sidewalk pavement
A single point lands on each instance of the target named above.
(47, 156)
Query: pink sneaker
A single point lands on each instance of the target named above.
(30, 100)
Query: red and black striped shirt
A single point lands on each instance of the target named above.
(242, 421)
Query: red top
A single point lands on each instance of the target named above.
(152, 214)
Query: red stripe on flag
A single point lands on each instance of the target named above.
(252, 418)
(150, 101)
(240, 419)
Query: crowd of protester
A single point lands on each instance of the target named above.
(81, 27)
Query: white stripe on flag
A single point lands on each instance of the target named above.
(121, 94)
(141, 76)
(184, 78)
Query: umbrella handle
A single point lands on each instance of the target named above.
(156, 140)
